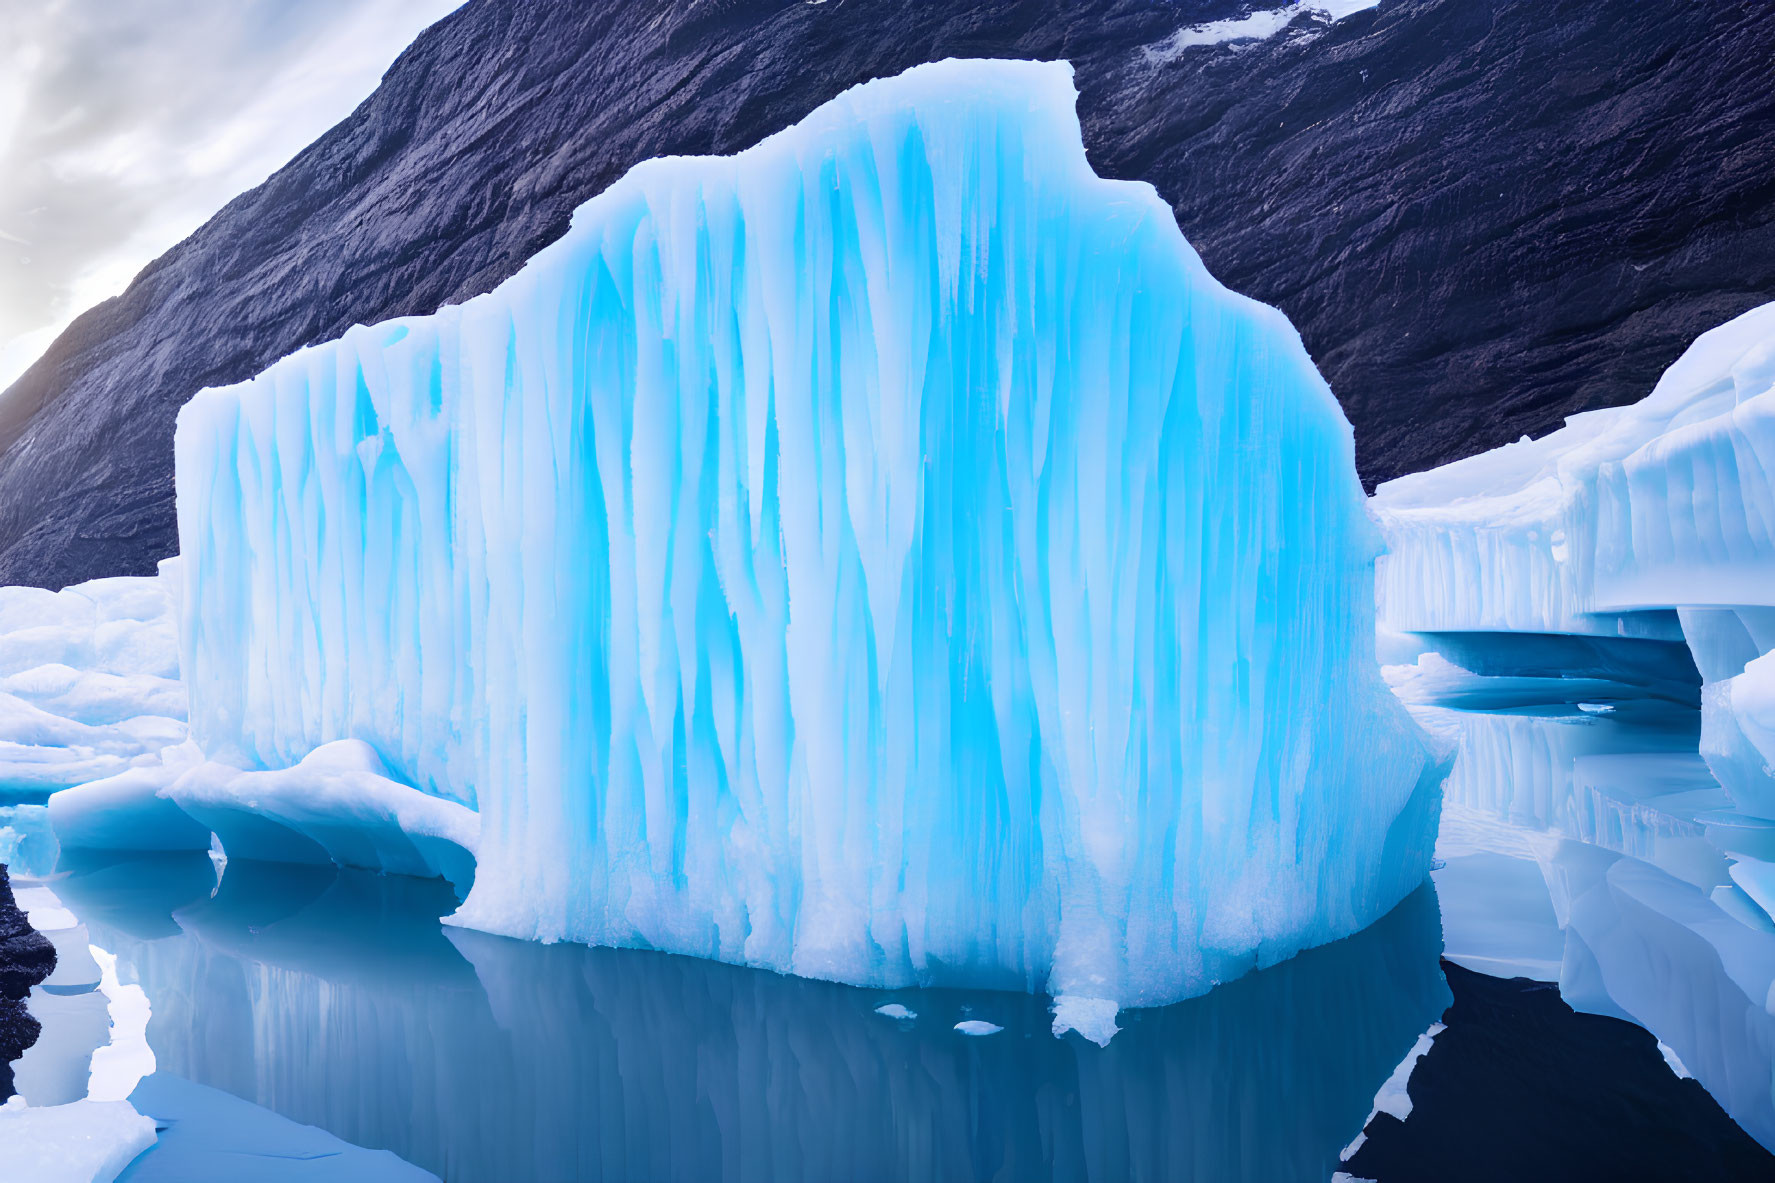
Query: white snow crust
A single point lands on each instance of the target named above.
(1259, 25)
(81, 1142)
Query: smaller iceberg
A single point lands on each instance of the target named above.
(1653, 522)
(92, 716)
(1595, 618)
(1666, 503)
(337, 804)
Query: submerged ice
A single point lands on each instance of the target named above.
(883, 555)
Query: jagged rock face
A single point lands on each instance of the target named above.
(26, 958)
(26, 955)
(1482, 214)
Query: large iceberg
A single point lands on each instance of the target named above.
(884, 555)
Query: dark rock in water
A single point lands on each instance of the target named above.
(26, 955)
(1482, 214)
(26, 958)
(1522, 1087)
(18, 1032)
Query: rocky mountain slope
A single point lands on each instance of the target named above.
(1482, 214)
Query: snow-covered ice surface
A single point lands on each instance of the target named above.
(119, 1066)
(80, 1142)
(884, 555)
(1258, 25)
(1594, 619)
(89, 683)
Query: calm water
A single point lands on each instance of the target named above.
(337, 999)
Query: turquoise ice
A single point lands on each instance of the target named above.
(884, 555)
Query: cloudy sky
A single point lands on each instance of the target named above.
(124, 124)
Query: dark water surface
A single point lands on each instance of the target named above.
(335, 998)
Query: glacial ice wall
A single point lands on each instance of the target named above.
(883, 555)
(1666, 504)
(1669, 502)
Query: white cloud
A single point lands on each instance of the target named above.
(123, 127)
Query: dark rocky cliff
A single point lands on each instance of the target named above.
(26, 958)
(1482, 214)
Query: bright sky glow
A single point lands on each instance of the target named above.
(123, 127)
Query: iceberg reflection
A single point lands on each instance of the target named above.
(335, 998)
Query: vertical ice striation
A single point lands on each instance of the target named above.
(1738, 734)
(883, 555)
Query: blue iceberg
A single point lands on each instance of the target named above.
(885, 555)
